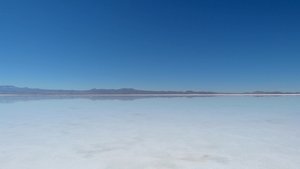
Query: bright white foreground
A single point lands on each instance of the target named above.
(155, 133)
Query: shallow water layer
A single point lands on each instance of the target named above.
(153, 133)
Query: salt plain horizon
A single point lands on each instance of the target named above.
(153, 133)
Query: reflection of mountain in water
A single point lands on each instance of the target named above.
(9, 94)
(13, 99)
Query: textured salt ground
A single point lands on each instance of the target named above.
(160, 133)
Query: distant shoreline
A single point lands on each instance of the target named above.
(149, 95)
(129, 92)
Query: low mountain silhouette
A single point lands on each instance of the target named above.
(35, 91)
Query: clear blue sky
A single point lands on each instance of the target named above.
(151, 44)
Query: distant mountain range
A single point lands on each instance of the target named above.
(13, 90)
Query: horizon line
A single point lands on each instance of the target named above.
(160, 90)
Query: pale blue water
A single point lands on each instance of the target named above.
(153, 133)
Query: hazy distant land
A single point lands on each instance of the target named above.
(129, 92)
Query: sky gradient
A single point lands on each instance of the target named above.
(151, 44)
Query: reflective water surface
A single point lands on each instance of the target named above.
(150, 133)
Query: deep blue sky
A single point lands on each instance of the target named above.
(151, 44)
